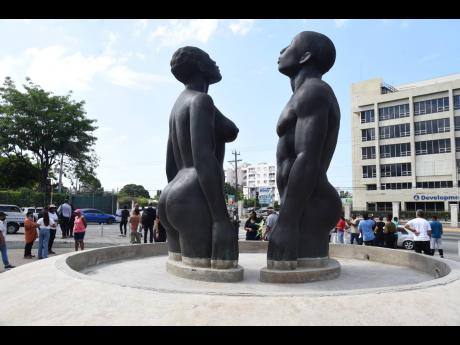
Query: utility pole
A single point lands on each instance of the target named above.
(235, 162)
(60, 173)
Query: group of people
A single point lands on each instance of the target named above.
(72, 223)
(254, 226)
(380, 233)
(149, 221)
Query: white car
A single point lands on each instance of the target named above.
(37, 211)
(405, 238)
(14, 218)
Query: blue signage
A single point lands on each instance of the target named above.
(423, 197)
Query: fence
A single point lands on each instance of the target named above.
(106, 203)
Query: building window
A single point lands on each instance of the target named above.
(395, 150)
(426, 206)
(457, 102)
(395, 131)
(367, 116)
(402, 185)
(431, 106)
(457, 123)
(398, 169)
(394, 112)
(458, 166)
(432, 147)
(371, 187)
(435, 184)
(457, 144)
(369, 171)
(368, 152)
(432, 126)
(368, 134)
(385, 206)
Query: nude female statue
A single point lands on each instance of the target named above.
(192, 206)
(307, 128)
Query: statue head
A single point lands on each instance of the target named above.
(307, 48)
(188, 62)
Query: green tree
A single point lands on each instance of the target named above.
(45, 125)
(18, 172)
(134, 190)
(90, 184)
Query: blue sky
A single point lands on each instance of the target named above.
(121, 69)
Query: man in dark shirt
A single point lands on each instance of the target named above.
(148, 220)
(379, 238)
(124, 220)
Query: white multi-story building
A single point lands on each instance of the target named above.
(406, 144)
(255, 178)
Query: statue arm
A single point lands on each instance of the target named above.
(171, 168)
(310, 135)
(202, 121)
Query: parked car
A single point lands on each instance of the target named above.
(14, 218)
(405, 238)
(93, 215)
(37, 211)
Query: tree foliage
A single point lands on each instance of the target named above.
(16, 173)
(134, 190)
(46, 125)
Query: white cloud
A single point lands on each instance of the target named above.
(140, 25)
(405, 24)
(242, 26)
(176, 32)
(340, 23)
(59, 70)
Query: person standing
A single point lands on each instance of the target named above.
(30, 234)
(436, 234)
(124, 220)
(160, 231)
(378, 231)
(252, 227)
(134, 221)
(148, 220)
(340, 228)
(422, 231)
(71, 221)
(389, 231)
(53, 229)
(271, 222)
(366, 228)
(65, 211)
(354, 232)
(45, 224)
(3, 248)
(79, 229)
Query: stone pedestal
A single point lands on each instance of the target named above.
(308, 270)
(229, 275)
(454, 215)
(395, 209)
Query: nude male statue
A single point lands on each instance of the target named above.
(192, 206)
(307, 128)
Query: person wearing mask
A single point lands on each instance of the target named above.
(53, 215)
(79, 229)
(134, 221)
(124, 220)
(354, 232)
(252, 227)
(148, 220)
(65, 212)
(436, 234)
(340, 228)
(30, 234)
(45, 224)
(366, 229)
(271, 221)
(378, 231)
(3, 248)
(422, 231)
(389, 231)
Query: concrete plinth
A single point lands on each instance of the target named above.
(305, 274)
(207, 274)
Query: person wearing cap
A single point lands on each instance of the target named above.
(3, 249)
(79, 229)
(30, 234)
(53, 215)
(422, 232)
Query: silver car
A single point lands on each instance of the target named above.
(405, 238)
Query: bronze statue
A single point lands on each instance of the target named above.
(307, 128)
(192, 206)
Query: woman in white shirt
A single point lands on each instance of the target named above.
(45, 224)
